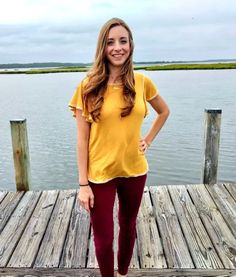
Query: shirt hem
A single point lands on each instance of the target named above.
(75, 107)
(154, 96)
(107, 180)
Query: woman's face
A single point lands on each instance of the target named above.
(117, 46)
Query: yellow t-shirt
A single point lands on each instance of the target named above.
(114, 140)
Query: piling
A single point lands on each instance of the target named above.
(211, 142)
(20, 154)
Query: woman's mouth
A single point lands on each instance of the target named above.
(117, 55)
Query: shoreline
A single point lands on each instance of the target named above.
(176, 66)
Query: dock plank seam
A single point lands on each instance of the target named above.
(226, 205)
(181, 228)
(218, 230)
(68, 227)
(45, 229)
(200, 246)
(20, 213)
(4, 208)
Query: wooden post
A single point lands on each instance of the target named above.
(211, 146)
(20, 154)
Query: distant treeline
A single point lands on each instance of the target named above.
(40, 65)
(57, 64)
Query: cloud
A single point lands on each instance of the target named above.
(60, 30)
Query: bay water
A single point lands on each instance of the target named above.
(175, 157)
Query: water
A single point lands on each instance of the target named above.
(175, 157)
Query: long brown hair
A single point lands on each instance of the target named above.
(98, 76)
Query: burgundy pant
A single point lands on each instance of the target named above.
(129, 191)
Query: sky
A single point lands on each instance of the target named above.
(163, 30)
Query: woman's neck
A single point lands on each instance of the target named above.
(114, 75)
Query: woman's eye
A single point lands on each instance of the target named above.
(109, 42)
(124, 41)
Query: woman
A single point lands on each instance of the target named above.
(109, 106)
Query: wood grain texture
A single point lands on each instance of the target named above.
(27, 248)
(15, 226)
(226, 205)
(149, 242)
(53, 241)
(92, 260)
(212, 124)
(2, 195)
(231, 189)
(220, 234)
(7, 206)
(181, 231)
(21, 154)
(59, 272)
(202, 250)
(175, 247)
(76, 245)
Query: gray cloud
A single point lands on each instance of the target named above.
(163, 30)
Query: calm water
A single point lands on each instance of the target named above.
(174, 158)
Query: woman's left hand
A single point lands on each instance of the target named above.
(143, 146)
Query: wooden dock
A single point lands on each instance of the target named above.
(182, 230)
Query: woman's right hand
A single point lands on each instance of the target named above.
(85, 197)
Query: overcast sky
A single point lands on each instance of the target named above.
(67, 30)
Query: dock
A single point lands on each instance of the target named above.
(182, 230)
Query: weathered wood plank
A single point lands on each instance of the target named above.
(211, 140)
(175, 247)
(132, 272)
(92, 260)
(149, 242)
(220, 234)
(189, 216)
(231, 189)
(225, 204)
(8, 205)
(2, 195)
(52, 244)
(16, 225)
(199, 243)
(21, 154)
(27, 248)
(76, 246)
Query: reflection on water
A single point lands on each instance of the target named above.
(175, 156)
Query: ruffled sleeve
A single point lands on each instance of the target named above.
(77, 102)
(150, 91)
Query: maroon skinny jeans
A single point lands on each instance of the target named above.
(129, 191)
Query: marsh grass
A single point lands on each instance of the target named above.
(192, 66)
(210, 66)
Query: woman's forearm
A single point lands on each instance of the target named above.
(82, 158)
(83, 133)
(162, 110)
(156, 127)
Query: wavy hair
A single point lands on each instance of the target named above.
(93, 92)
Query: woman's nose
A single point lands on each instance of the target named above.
(117, 46)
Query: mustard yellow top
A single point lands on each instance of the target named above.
(114, 140)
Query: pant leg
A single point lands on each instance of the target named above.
(130, 191)
(102, 224)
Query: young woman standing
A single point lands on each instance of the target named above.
(110, 105)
